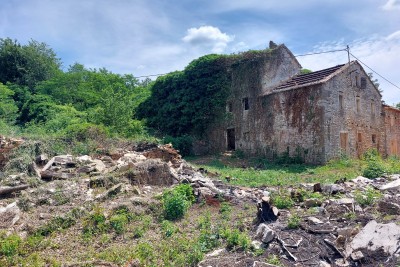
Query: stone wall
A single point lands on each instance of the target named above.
(352, 114)
(392, 131)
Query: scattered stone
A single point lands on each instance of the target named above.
(332, 189)
(395, 185)
(317, 187)
(324, 264)
(357, 256)
(341, 263)
(376, 236)
(256, 244)
(113, 191)
(312, 202)
(216, 253)
(361, 180)
(314, 220)
(265, 234)
(9, 215)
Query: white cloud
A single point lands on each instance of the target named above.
(381, 53)
(392, 5)
(208, 36)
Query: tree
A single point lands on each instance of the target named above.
(8, 108)
(27, 65)
(374, 81)
(398, 105)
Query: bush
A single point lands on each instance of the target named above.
(236, 239)
(177, 201)
(282, 201)
(374, 169)
(294, 221)
(9, 245)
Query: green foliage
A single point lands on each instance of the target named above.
(236, 239)
(56, 224)
(294, 221)
(95, 223)
(375, 167)
(209, 237)
(274, 260)
(181, 143)
(282, 201)
(367, 197)
(305, 71)
(191, 99)
(8, 107)
(177, 201)
(9, 245)
(168, 228)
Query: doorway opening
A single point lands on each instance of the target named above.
(230, 136)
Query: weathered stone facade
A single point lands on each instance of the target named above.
(274, 111)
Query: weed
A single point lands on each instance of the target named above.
(274, 260)
(95, 223)
(374, 169)
(56, 224)
(236, 239)
(168, 228)
(225, 210)
(368, 197)
(9, 245)
(282, 201)
(294, 221)
(177, 201)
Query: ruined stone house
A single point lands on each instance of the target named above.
(273, 111)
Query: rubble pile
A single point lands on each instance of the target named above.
(334, 230)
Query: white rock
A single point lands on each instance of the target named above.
(9, 215)
(395, 185)
(375, 236)
(361, 179)
(315, 220)
(265, 234)
(84, 159)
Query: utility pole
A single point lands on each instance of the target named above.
(348, 53)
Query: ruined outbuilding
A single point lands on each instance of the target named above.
(275, 111)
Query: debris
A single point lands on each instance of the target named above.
(388, 207)
(110, 192)
(9, 215)
(6, 190)
(376, 236)
(395, 185)
(357, 256)
(265, 234)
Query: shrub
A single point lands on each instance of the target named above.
(177, 201)
(374, 169)
(368, 197)
(9, 245)
(282, 201)
(294, 221)
(235, 238)
(95, 223)
(168, 228)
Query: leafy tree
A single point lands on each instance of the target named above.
(27, 65)
(8, 108)
(374, 81)
(187, 102)
(398, 105)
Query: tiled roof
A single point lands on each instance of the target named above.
(308, 79)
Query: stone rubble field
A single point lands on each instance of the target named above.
(335, 230)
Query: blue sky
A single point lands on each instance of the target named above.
(150, 37)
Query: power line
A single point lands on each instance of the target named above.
(322, 52)
(374, 71)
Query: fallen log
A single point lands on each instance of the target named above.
(51, 175)
(11, 189)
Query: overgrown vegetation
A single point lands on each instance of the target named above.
(177, 200)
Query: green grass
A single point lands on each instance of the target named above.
(281, 174)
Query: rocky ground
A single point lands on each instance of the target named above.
(348, 223)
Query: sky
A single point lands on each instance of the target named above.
(143, 37)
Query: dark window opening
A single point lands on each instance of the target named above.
(230, 136)
(341, 104)
(359, 139)
(229, 107)
(363, 83)
(246, 103)
(374, 138)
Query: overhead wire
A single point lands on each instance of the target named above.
(309, 54)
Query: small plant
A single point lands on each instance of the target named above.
(177, 201)
(374, 169)
(9, 245)
(294, 221)
(368, 197)
(168, 228)
(236, 239)
(282, 201)
(95, 223)
(225, 210)
(274, 260)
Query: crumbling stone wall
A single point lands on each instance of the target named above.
(352, 114)
(392, 131)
